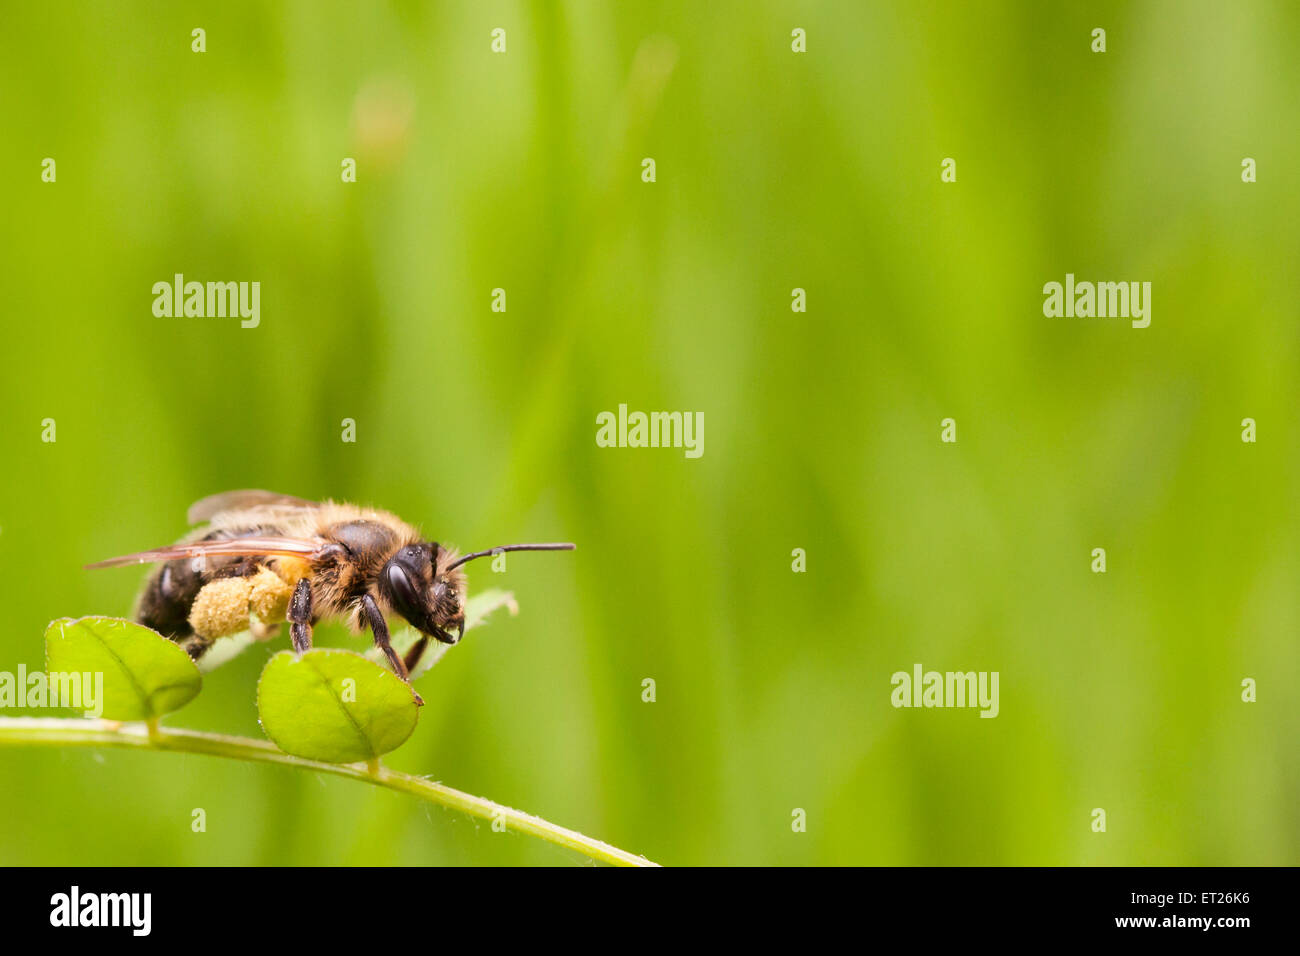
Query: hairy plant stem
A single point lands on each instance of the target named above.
(81, 732)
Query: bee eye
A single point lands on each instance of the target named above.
(402, 591)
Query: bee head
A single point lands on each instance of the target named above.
(421, 584)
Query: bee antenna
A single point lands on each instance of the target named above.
(554, 546)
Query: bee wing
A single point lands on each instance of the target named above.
(229, 547)
(206, 508)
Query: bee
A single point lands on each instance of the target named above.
(261, 559)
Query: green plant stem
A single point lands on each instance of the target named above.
(80, 732)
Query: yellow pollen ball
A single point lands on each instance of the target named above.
(269, 596)
(221, 608)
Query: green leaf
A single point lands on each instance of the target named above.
(477, 610)
(334, 706)
(145, 675)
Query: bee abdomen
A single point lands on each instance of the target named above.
(167, 599)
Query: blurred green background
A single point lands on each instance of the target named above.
(775, 170)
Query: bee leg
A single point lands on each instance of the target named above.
(379, 627)
(300, 616)
(195, 646)
(416, 652)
